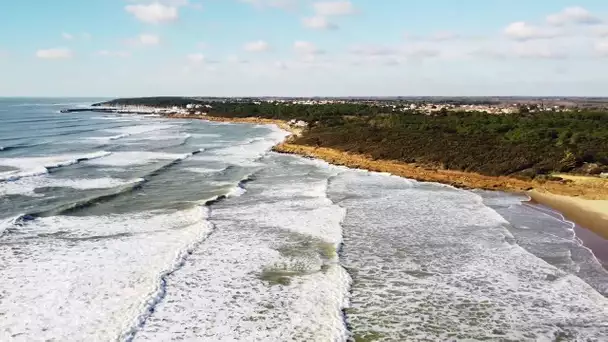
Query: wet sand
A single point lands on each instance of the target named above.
(591, 214)
(597, 244)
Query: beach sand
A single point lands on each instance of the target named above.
(591, 214)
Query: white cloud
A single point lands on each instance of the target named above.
(326, 9)
(601, 31)
(155, 13)
(172, 3)
(70, 36)
(196, 58)
(391, 62)
(108, 53)
(176, 2)
(572, 15)
(523, 31)
(280, 65)
(257, 46)
(444, 35)
(318, 23)
(524, 50)
(307, 48)
(237, 60)
(164, 2)
(333, 8)
(395, 54)
(56, 53)
(602, 48)
(148, 39)
(308, 58)
(272, 3)
(486, 52)
(421, 52)
(307, 51)
(529, 50)
(374, 50)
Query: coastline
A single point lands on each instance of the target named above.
(583, 202)
(248, 120)
(590, 214)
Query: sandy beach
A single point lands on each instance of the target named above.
(591, 214)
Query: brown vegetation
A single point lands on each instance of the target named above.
(455, 178)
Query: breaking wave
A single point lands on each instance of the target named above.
(36, 166)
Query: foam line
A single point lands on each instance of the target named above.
(160, 292)
(36, 166)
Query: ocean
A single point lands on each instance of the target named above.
(132, 227)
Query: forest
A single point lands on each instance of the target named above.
(524, 145)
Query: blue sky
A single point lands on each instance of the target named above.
(303, 47)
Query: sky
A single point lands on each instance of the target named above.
(112, 48)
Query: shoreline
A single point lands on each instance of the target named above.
(248, 120)
(590, 214)
(586, 206)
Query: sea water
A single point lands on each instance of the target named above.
(127, 227)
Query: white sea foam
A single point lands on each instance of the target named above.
(205, 135)
(35, 166)
(107, 139)
(500, 199)
(445, 261)
(140, 129)
(58, 282)
(321, 219)
(6, 223)
(548, 235)
(27, 186)
(224, 291)
(112, 118)
(204, 170)
(156, 137)
(236, 191)
(135, 158)
(245, 153)
(315, 189)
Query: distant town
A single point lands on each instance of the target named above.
(423, 105)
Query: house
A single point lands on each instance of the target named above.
(298, 123)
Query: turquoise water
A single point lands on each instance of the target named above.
(143, 228)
